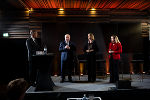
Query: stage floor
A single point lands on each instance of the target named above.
(101, 84)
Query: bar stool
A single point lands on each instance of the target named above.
(138, 61)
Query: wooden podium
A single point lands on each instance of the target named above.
(43, 64)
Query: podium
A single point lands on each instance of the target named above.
(43, 65)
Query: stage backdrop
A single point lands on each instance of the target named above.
(128, 33)
(14, 63)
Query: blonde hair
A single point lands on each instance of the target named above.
(92, 36)
(116, 38)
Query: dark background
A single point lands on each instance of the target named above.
(128, 33)
(14, 62)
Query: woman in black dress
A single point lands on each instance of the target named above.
(90, 50)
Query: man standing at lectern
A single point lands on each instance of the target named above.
(67, 49)
(32, 46)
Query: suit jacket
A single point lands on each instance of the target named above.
(32, 47)
(117, 48)
(67, 54)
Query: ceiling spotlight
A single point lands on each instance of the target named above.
(93, 9)
(30, 9)
(61, 9)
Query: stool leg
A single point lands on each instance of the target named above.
(130, 76)
(79, 71)
(141, 67)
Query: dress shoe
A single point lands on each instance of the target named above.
(70, 80)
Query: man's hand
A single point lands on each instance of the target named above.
(89, 50)
(67, 47)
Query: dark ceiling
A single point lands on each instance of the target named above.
(78, 4)
(10, 5)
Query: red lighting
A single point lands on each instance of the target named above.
(86, 4)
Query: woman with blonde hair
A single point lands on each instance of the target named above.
(115, 49)
(90, 50)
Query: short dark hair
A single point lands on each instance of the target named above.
(16, 88)
(32, 31)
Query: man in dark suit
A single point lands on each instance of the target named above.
(67, 49)
(32, 46)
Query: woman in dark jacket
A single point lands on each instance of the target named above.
(90, 50)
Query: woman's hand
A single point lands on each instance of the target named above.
(111, 51)
(89, 50)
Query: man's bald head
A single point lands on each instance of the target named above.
(67, 37)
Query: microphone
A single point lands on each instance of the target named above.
(110, 50)
(110, 53)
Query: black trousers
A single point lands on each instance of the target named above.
(32, 72)
(66, 69)
(113, 67)
(91, 66)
